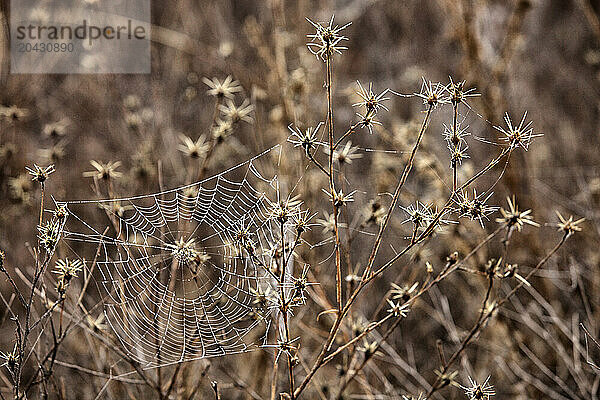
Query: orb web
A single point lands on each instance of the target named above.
(182, 272)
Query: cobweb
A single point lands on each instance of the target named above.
(184, 272)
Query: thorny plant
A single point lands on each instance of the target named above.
(51, 306)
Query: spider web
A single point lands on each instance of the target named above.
(178, 281)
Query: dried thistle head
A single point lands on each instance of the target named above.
(262, 299)
(376, 212)
(327, 39)
(54, 153)
(345, 155)
(39, 174)
(13, 113)
(370, 100)
(61, 213)
(367, 121)
(21, 187)
(67, 269)
(239, 113)
(431, 93)
(225, 89)
(49, 234)
(302, 220)
(285, 209)
(307, 139)
(222, 130)
(328, 223)
(398, 309)
(184, 251)
(403, 293)
(518, 135)
(569, 226)
(454, 136)
(457, 93)
(107, 171)
(447, 378)
(458, 153)
(56, 129)
(512, 217)
(191, 148)
(475, 208)
(476, 391)
(340, 199)
(369, 348)
(10, 359)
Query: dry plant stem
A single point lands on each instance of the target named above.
(349, 132)
(355, 371)
(312, 158)
(213, 142)
(338, 261)
(396, 195)
(342, 313)
(426, 233)
(284, 309)
(484, 315)
(454, 164)
(274, 379)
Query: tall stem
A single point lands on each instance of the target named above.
(338, 262)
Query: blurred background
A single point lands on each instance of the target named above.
(538, 56)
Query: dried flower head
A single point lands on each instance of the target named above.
(237, 113)
(432, 93)
(184, 251)
(53, 154)
(369, 348)
(61, 213)
(345, 155)
(39, 174)
(285, 209)
(512, 217)
(13, 113)
(327, 39)
(457, 92)
(56, 129)
(328, 223)
(222, 130)
(21, 187)
(106, 171)
(10, 359)
(458, 153)
(367, 121)
(475, 208)
(307, 139)
(370, 100)
(518, 135)
(477, 391)
(397, 309)
(403, 293)
(225, 89)
(419, 214)
(262, 299)
(49, 234)
(340, 199)
(191, 148)
(569, 226)
(302, 220)
(67, 269)
(455, 136)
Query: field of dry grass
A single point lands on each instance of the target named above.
(357, 199)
